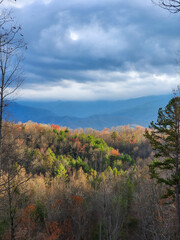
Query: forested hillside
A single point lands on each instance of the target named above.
(80, 184)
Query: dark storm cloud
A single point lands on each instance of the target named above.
(96, 41)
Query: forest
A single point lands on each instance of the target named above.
(58, 183)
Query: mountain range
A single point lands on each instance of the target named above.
(91, 114)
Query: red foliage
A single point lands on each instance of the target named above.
(53, 231)
(134, 141)
(37, 125)
(20, 141)
(78, 145)
(105, 131)
(84, 146)
(76, 131)
(78, 200)
(27, 225)
(53, 126)
(28, 210)
(17, 126)
(42, 150)
(115, 152)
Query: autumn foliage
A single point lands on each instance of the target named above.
(84, 185)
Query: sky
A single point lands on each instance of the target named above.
(97, 49)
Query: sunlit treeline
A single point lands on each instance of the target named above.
(57, 183)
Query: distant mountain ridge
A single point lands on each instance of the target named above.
(97, 114)
(89, 108)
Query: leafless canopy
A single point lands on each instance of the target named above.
(4, 0)
(172, 6)
(11, 44)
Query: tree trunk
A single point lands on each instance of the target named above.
(11, 212)
(1, 119)
(1, 110)
(177, 171)
(100, 229)
(178, 209)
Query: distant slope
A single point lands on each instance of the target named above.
(97, 115)
(16, 112)
(86, 109)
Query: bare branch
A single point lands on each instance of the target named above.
(172, 6)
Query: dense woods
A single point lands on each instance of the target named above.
(58, 183)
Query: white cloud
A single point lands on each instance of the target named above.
(132, 84)
(47, 1)
(68, 38)
(91, 38)
(74, 36)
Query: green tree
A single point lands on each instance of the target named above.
(164, 138)
(114, 135)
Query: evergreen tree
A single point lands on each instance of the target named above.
(164, 138)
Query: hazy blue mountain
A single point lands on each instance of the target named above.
(86, 109)
(98, 114)
(16, 112)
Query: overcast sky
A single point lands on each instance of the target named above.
(98, 49)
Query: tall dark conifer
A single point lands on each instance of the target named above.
(164, 138)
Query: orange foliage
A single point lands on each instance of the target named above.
(115, 152)
(28, 210)
(42, 150)
(74, 139)
(17, 126)
(78, 200)
(37, 125)
(53, 231)
(27, 213)
(76, 131)
(67, 228)
(134, 141)
(84, 146)
(26, 222)
(105, 131)
(78, 145)
(20, 141)
(53, 126)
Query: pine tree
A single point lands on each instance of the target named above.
(164, 137)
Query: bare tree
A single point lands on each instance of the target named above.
(172, 6)
(7, 0)
(13, 179)
(11, 45)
